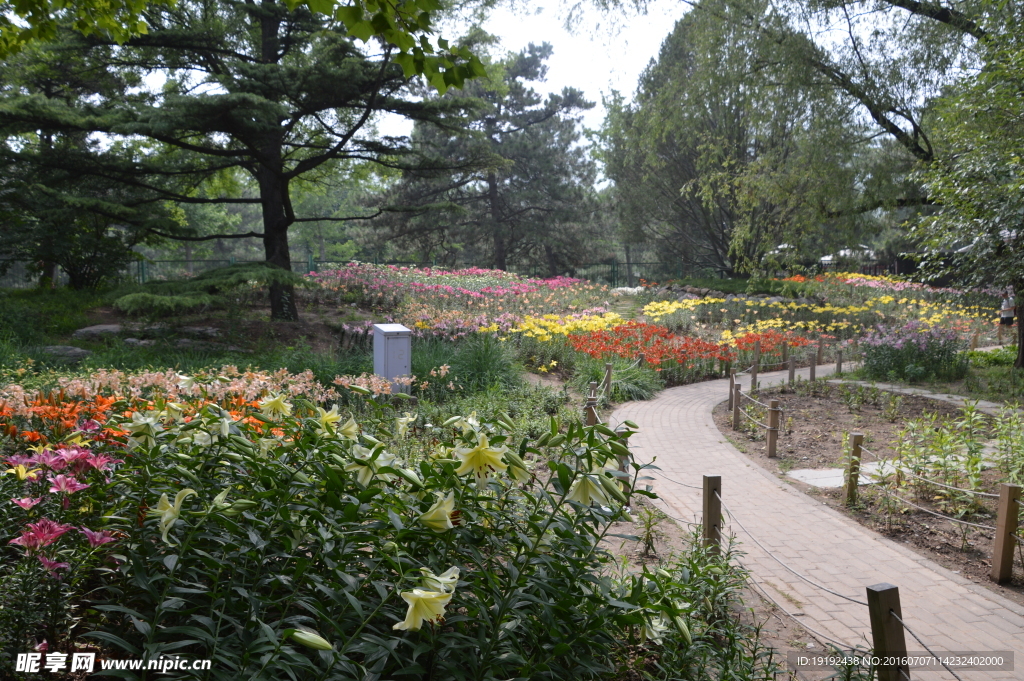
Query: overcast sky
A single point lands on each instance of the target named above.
(600, 54)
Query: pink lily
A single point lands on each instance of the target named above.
(52, 565)
(97, 538)
(40, 534)
(27, 502)
(66, 483)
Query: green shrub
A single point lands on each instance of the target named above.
(1000, 357)
(482, 361)
(630, 381)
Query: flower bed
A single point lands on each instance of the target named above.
(277, 537)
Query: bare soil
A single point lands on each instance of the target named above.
(815, 441)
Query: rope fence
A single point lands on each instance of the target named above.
(883, 604)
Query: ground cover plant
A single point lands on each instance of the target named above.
(235, 517)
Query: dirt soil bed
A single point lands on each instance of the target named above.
(813, 439)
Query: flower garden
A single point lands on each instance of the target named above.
(284, 524)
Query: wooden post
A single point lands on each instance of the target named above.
(814, 368)
(732, 385)
(791, 366)
(853, 469)
(643, 359)
(773, 427)
(607, 381)
(754, 366)
(736, 407)
(1006, 528)
(887, 634)
(974, 340)
(839, 361)
(712, 512)
(591, 407)
(821, 351)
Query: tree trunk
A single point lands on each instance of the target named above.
(273, 197)
(552, 261)
(500, 249)
(47, 274)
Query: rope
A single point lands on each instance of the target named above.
(747, 395)
(918, 639)
(744, 412)
(958, 489)
(939, 515)
(774, 557)
(816, 634)
(864, 450)
(745, 371)
(681, 484)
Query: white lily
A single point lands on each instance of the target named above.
(439, 516)
(402, 424)
(364, 468)
(168, 512)
(444, 582)
(144, 428)
(423, 605)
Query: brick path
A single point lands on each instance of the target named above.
(947, 611)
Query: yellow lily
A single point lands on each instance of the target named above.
(444, 582)
(439, 517)
(328, 419)
(482, 461)
(423, 605)
(276, 406)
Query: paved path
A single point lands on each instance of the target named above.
(947, 611)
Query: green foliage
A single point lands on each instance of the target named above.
(212, 288)
(482, 361)
(630, 382)
(1000, 357)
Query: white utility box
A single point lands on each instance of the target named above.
(392, 353)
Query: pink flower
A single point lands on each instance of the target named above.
(53, 460)
(97, 538)
(101, 461)
(40, 534)
(52, 565)
(27, 502)
(65, 483)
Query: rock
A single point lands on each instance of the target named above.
(135, 342)
(200, 331)
(97, 331)
(66, 353)
(716, 294)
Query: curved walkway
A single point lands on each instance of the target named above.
(947, 611)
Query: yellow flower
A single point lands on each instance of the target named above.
(276, 406)
(482, 461)
(24, 473)
(402, 424)
(349, 431)
(168, 512)
(423, 605)
(328, 419)
(439, 516)
(588, 489)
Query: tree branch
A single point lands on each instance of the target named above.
(247, 235)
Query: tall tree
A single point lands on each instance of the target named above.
(522, 188)
(248, 87)
(715, 158)
(979, 183)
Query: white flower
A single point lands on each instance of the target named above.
(423, 605)
(168, 512)
(444, 582)
(276, 406)
(402, 423)
(365, 468)
(439, 516)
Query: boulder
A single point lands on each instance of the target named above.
(66, 353)
(200, 331)
(716, 294)
(135, 342)
(97, 331)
